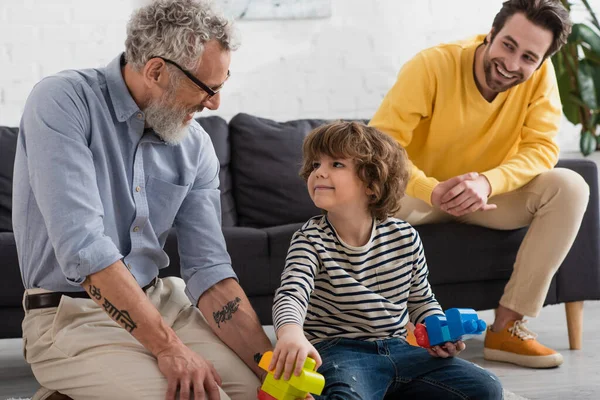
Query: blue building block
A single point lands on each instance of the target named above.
(457, 323)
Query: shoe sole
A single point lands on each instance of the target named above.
(550, 361)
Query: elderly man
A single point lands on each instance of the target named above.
(108, 160)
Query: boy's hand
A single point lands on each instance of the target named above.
(292, 349)
(449, 349)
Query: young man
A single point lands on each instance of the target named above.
(107, 161)
(478, 119)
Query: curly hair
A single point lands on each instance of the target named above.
(177, 30)
(381, 163)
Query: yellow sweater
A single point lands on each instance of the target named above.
(437, 113)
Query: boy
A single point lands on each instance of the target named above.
(354, 278)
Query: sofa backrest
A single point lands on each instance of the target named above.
(218, 130)
(216, 127)
(8, 146)
(265, 160)
(259, 159)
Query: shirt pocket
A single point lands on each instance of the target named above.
(164, 200)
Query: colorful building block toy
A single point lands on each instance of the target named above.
(457, 323)
(297, 387)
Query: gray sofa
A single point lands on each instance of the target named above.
(264, 202)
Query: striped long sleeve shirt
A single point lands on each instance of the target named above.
(370, 292)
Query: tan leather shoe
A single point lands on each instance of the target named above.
(518, 345)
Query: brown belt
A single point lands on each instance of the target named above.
(52, 299)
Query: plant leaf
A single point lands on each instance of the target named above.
(591, 12)
(570, 107)
(577, 101)
(558, 62)
(583, 33)
(590, 55)
(594, 69)
(595, 120)
(587, 143)
(587, 89)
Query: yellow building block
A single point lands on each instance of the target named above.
(297, 387)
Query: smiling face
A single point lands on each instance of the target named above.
(171, 110)
(513, 55)
(334, 186)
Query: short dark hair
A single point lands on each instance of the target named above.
(547, 14)
(381, 163)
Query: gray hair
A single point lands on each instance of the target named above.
(177, 30)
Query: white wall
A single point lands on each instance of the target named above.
(328, 68)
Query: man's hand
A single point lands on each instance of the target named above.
(186, 370)
(292, 349)
(463, 194)
(449, 349)
(116, 290)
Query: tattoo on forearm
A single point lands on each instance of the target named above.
(227, 312)
(95, 292)
(120, 316)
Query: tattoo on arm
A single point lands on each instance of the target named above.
(120, 316)
(227, 312)
(95, 292)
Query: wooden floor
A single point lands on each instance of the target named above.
(577, 379)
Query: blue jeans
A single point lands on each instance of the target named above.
(392, 369)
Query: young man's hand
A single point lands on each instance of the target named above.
(292, 349)
(449, 349)
(463, 194)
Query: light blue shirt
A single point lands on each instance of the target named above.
(92, 187)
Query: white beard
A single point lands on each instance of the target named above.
(166, 120)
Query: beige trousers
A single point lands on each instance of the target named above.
(78, 350)
(552, 204)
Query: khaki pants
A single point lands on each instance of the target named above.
(552, 204)
(78, 350)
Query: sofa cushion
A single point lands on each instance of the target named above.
(8, 146)
(574, 277)
(218, 130)
(484, 254)
(249, 251)
(279, 243)
(265, 160)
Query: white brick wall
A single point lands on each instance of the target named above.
(336, 67)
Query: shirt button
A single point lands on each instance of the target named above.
(139, 116)
(137, 188)
(136, 228)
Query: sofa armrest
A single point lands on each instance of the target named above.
(579, 276)
(11, 284)
(11, 288)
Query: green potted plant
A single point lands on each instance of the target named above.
(577, 66)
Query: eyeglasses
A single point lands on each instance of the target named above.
(210, 91)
